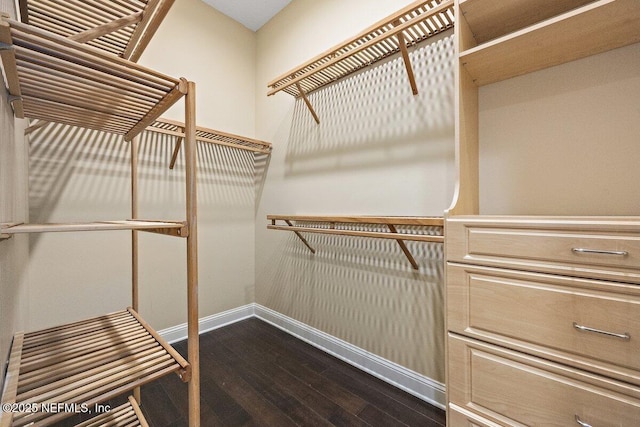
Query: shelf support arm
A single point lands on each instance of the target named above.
(306, 101)
(176, 150)
(407, 61)
(107, 28)
(404, 248)
(300, 236)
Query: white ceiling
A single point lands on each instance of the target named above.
(253, 14)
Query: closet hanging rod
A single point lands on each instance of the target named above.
(390, 222)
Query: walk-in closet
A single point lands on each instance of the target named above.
(294, 213)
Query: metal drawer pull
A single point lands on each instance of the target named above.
(599, 252)
(581, 423)
(624, 336)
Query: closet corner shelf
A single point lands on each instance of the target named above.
(344, 222)
(409, 26)
(55, 79)
(84, 363)
(120, 27)
(582, 31)
(178, 229)
(211, 136)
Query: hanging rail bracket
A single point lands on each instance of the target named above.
(5, 225)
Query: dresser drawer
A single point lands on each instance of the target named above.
(584, 247)
(460, 417)
(510, 389)
(591, 324)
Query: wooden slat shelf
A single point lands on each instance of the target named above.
(128, 414)
(85, 362)
(594, 28)
(339, 225)
(210, 136)
(163, 227)
(120, 27)
(413, 24)
(56, 79)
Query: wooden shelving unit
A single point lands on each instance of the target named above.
(409, 26)
(85, 363)
(520, 289)
(207, 135)
(55, 78)
(344, 226)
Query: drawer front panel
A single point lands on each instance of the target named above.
(459, 417)
(571, 317)
(511, 389)
(577, 249)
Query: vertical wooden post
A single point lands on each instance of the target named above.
(134, 215)
(192, 255)
(134, 237)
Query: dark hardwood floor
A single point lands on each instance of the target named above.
(253, 374)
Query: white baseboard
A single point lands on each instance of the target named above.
(416, 384)
(209, 323)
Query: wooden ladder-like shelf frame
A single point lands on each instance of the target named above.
(390, 222)
(411, 25)
(53, 78)
(85, 363)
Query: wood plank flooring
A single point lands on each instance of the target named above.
(253, 374)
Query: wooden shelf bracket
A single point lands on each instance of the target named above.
(306, 101)
(407, 61)
(300, 236)
(409, 26)
(389, 221)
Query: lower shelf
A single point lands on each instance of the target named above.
(128, 415)
(56, 372)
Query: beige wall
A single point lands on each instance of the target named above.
(377, 151)
(80, 175)
(13, 208)
(564, 141)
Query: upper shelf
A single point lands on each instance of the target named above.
(121, 27)
(409, 26)
(587, 30)
(176, 128)
(489, 19)
(56, 79)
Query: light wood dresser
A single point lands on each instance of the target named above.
(542, 312)
(544, 320)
